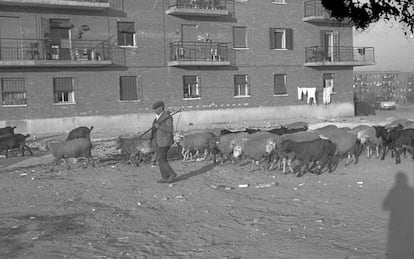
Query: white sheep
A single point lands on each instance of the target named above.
(80, 147)
(197, 141)
(253, 148)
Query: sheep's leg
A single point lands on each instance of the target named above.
(194, 157)
(252, 166)
(67, 163)
(378, 150)
(184, 153)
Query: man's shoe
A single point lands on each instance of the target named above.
(163, 180)
(171, 178)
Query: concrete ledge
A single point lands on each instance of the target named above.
(197, 118)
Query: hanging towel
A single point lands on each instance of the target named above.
(300, 93)
(327, 91)
(311, 94)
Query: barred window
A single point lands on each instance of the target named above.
(130, 88)
(280, 84)
(241, 85)
(192, 88)
(13, 91)
(63, 90)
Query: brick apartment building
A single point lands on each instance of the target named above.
(393, 85)
(65, 63)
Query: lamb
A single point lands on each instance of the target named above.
(14, 141)
(197, 141)
(79, 147)
(136, 149)
(7, 131)
(254, 147)
(80, 132)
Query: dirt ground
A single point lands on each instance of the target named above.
(116, 210)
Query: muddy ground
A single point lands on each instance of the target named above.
(116, 210)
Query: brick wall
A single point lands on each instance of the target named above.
(97, 89)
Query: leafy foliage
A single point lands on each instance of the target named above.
(364, 12)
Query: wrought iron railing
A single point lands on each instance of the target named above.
(203, 4)
(359, 55)
(58, 49)
(201, 51)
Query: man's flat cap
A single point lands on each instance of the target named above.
(158, 104)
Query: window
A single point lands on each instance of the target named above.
(241, 86)
(130, 88)
(239, 37)
(126, 34)
(63, 90)
(279, 1)
(280, 84)
(13, 91)
(281, 38)
(191, 87)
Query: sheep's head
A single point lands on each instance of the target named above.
(178, 137)
(118, 143)
(145, 147)
(237, 151)
(270, 145)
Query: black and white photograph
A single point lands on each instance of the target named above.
(207, 129)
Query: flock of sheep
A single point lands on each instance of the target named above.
(300, 149)
(290, 147)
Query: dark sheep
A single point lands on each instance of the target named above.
(7, 131)
(80, 132)
(74, 148)
(14, 141)
(322, 150)
(402, 140)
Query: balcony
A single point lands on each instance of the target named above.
(316, 13)
(58, 53)
(201, 7)
(71, 4)
(187, 53)
(319, 56)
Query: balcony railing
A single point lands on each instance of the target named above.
(339, 56)
(76, 4)
(59, 52)
(201, 7)
(188, 53)
(315, 12)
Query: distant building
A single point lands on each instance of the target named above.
(393, 85)
(103, 63)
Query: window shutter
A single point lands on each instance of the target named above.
(190, 80)
(126, 27)
(12, 85)
(239, 37)
(63, 84)
(272, 38)
(45, 28)
(289, 38)
(128, 88)
(280, 84)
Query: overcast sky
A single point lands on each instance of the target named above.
(393, 50)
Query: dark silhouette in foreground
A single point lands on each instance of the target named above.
(400, 203)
